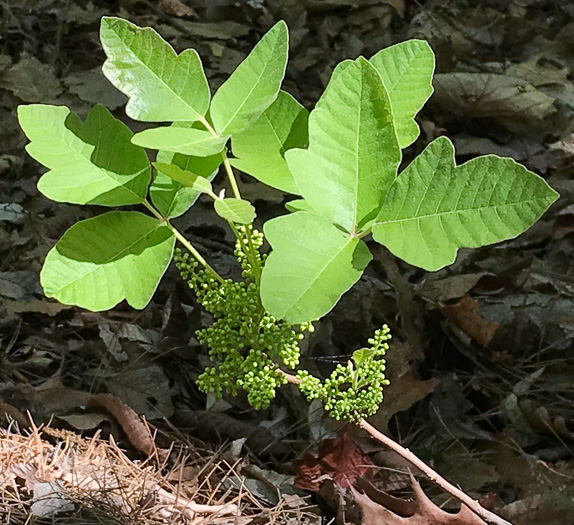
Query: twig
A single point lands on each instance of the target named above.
(432, 475)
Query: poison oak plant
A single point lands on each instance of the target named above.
(341, 160)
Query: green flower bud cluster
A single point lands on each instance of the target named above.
(354, 391)
(245, 342)
(241, 249)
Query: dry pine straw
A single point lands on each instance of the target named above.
(92, 470)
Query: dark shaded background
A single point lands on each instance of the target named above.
(481, 365)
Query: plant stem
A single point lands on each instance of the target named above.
(250, 251)
(184, 241)
(228, 170)
(230, 176)
(432, 475)
(435, 477)
(208, 126)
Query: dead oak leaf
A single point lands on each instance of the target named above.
(426, 513)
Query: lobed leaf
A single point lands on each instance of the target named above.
(312, 264)
(172, 198)
(254, 85)
(160, 85)
(101, 261)
(406, 70)
(188, 141)
(353, 152)
(435, 207)
(235, 210)
(260, 149)
(91, 162)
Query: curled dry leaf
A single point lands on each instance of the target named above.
(426, 513)
(137, 432)
(339, 460)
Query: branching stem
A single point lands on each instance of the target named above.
(250, 252)
(432, 475)
(184, 241)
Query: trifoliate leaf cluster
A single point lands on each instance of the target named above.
(354, 391)
(245, 342)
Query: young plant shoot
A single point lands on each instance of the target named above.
(340, 161)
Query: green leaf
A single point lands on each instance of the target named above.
(435, 207)
(353, 152)
(101, 261)
(312, 264)
(91, 162)
(406, 70)
(298, 205)
(339, 68)
(253, 86)
(189, 141)
(363, 355)
(171, 198)
(184, 177)
(161, 85)
(235, 210)
(260, 148)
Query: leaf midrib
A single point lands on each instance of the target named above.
(318, 275)
(255, 85)
(465, 210)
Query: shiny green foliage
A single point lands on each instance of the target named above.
(161, 86)
(317, 260)
(406, 70)
(246, 344)
(434, 207)
(235, 210)
(353, 152)
(101, 261)
(91, 162)
(254, 85)
(355, 390)
(173, 198)
(260, 149)
(189, 141)
(184, 177)
(343, 176)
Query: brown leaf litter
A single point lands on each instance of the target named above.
(50, 471)
(420, 512)
(339, 459)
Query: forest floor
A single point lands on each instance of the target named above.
(481, 364)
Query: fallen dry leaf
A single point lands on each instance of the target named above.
(401, 394)
(339, 460)
(176, 8)
(465, 315)
(482, 95)
(137, 432)
(426, 513)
